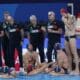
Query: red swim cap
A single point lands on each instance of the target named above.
(63, 10)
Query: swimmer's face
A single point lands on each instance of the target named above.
(30, 47)
(64, 14)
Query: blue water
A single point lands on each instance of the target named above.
(45, 77)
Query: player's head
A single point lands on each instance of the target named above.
(64, 12)
(57, 46)
(51, 15)
(33, 19)
(30, 47)
(6, 14)
(10, 19)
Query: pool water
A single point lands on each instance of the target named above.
(45, 77)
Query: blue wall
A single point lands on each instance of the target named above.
(21, 12)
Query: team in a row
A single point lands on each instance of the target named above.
(12, 35)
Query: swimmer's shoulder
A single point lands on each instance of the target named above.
(71, 16)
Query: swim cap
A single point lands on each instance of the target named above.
(63, 10)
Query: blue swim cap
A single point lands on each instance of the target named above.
(57, 69)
